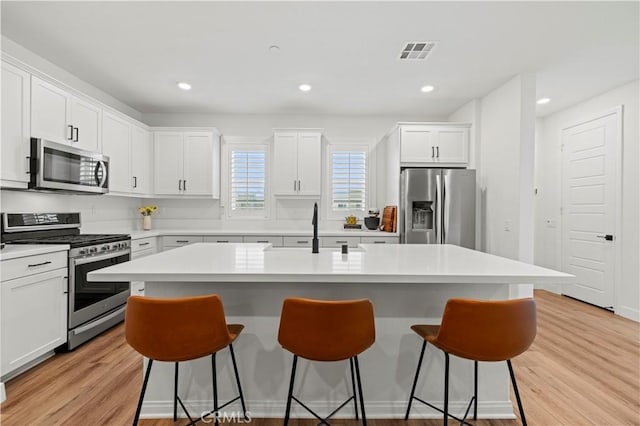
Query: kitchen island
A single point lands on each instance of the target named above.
(407, 284)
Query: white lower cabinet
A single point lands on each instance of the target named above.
(175, 241)
(339, 241)
(379, 240)
(33, 310)
(223, 239)
(274, 240)
(293, 241)
(141, 247)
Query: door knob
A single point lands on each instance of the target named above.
(607, 237)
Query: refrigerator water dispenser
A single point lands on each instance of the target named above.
(422, 215)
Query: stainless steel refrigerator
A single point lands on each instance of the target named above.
(438, 206)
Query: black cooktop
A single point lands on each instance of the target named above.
(80, 240)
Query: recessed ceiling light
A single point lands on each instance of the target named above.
(184, 86)
(427, 89)
(543, 101)
(304, 87)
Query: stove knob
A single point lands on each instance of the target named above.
(83, 251)
(104, 248)
(93, 249)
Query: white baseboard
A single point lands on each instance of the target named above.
(630, 313)
(374, 410)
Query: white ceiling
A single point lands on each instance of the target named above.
(348, 52)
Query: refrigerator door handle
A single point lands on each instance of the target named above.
(437, 209)
(446, 210)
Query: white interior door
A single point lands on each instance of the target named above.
(590, 188)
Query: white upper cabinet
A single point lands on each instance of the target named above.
(141, 160)
(435, 145)
(60, 117)
(187, 163)
(297, 163)
(16, 88)
(129, 148)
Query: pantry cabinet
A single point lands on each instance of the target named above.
(297, 163)
(187, 163)
(16, 94)
(58, 116)
(437, 145)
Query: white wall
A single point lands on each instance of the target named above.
(12, 50)
(548, 182)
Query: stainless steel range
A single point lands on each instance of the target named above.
(92, 306)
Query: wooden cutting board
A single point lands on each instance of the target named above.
(389, 218)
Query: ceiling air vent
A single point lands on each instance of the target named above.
(417, 50)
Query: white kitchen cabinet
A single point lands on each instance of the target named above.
(223, 239)
(141, 247)
(175, 241)
(16, 130)
(339, 241)
(61, 117)
(274, 240)
(297, 241)
(129, 148)
(33, 312)
(379, 240)
(297, 163)
(436, 145)
(186, 163)
(141, 160)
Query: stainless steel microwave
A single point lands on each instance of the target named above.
(59, 167)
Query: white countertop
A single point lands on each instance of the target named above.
(137, 234)
(392, 263)
(13, 251)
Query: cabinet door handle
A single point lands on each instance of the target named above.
(140, 290)
(39, 264)
(184, 185)
(28, 165)
(70, 138)
(379, 242)
(437, 152)
(303, 242)
(298, 186)
(179, 184)
(294, 185)
(143, 244)
(135, 182)
(341, 242)
(182, 241)
(77, 135)
(222, 241)
(262, 241)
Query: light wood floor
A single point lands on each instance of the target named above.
(583, 369)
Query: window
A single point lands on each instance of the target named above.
(247, 180)
(348, 179)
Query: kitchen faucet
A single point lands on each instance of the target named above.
(315, 241)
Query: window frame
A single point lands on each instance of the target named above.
(246, 144)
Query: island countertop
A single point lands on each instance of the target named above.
(390, 263)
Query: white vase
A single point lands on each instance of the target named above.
(146, 222)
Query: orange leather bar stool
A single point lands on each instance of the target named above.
(181, 329)
(321, 330)
(479, 331)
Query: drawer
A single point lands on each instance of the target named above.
(29, 265)
(297, 241)
(137, 288)
(223, 239)
(275, 241)
(339, 241)
(178, 241)
(142, 253)
(379, 240)
(144, 244)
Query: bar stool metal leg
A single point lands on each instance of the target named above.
(215, 389)
(446, 388)
(235, 370)
(415, 380)
(515, 390)
(175, 392)
(293, 375)
(475, 390)
(353, 386)
(142, 391)
(364, 417)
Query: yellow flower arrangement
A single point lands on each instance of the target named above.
(147, 210)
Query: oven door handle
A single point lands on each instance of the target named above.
(94, 324)
(92, 259)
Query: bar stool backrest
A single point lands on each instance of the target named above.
(323, 330)
(487, 330)
(176, 329)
